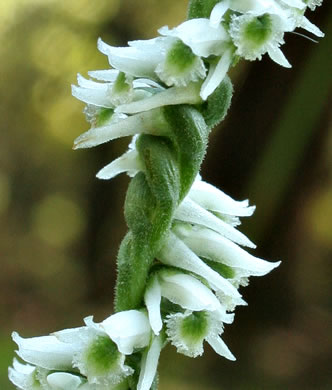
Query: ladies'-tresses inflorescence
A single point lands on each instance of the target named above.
(182, 261)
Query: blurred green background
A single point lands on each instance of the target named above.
(61, 227)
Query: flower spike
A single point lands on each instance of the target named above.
(183, 262)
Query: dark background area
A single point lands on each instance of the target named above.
(60, 227)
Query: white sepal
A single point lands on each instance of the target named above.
(129, 162)
(220, 347)
(307, 25)
(45, 351)
(216, 74)
(152, 299)
(149, 364)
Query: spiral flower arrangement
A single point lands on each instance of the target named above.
(182, 261)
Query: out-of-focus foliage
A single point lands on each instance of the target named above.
(60, 228)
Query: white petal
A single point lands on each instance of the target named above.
(191, 212)
(187, 291)
(46, 351)
(278, 56)
(218, 12)
(152, 300)
(129, 329)
(176, 253)
(213, 199)
(63, 381)
(128, 162)
(216, 74)
(170, 96)
(307, 25)
(203, 39)
(220, 347)
(151, 122)
(149, 365)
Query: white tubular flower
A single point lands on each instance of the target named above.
(191, 212)
(150, 122)
(212, 246)
(129, 330)
(177, 254)
(96, 355)
(183, 290)
(255, 35)
(187, 332)
(220, 204)
(46, 352)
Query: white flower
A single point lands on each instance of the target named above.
(187, 332)
(183, 290)
(220, 204)
(256, 35)
(213, 246)
(96, 356)
(177, 254)
(191, 212)
(150, 122)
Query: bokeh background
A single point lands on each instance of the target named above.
(60, 227)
